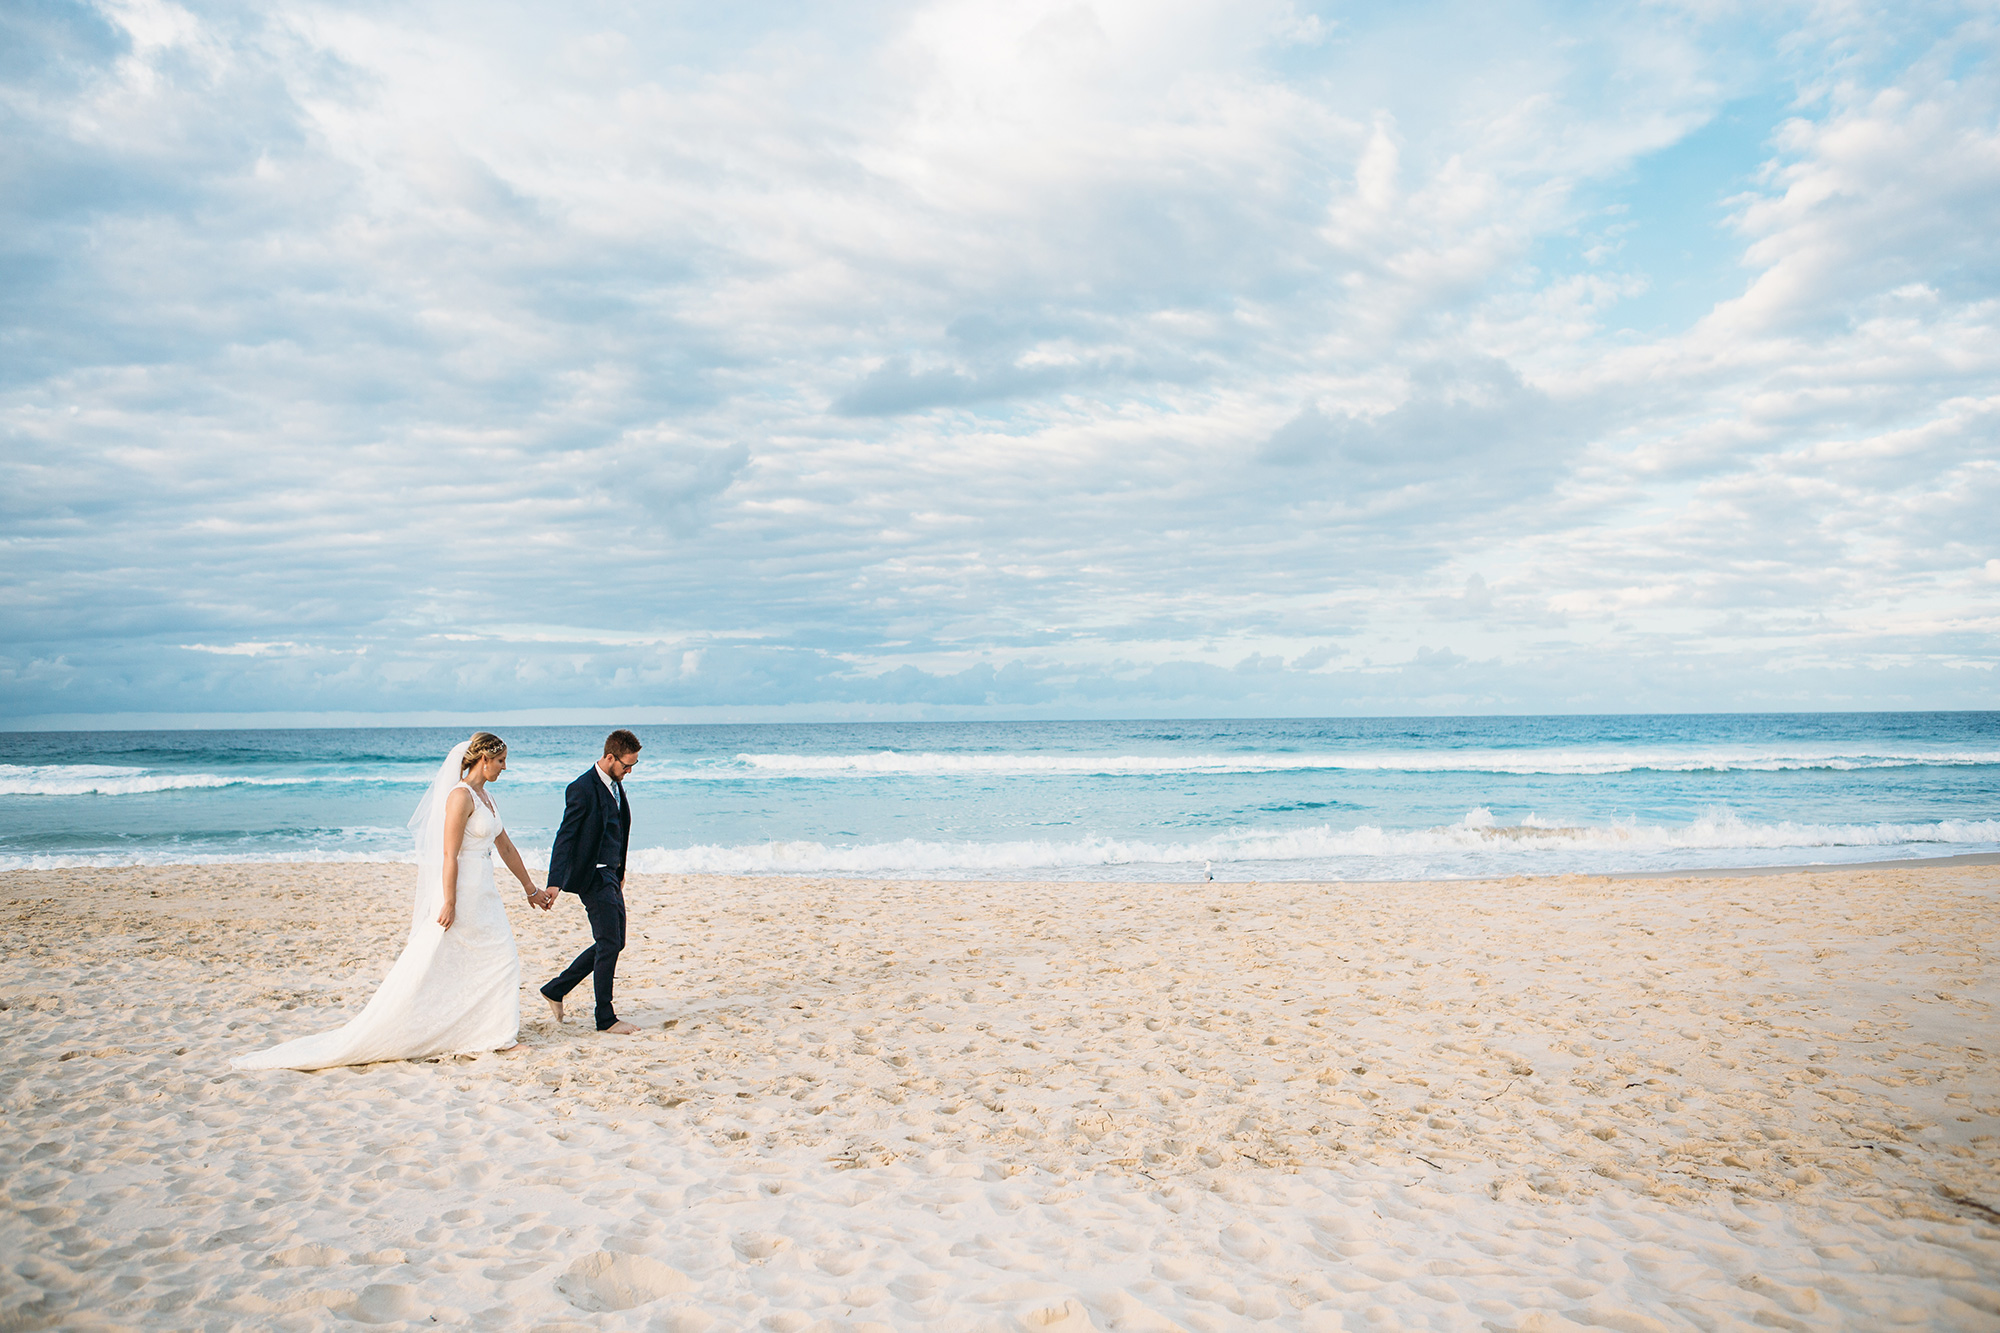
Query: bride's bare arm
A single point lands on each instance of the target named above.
(457, 809)
(514, 863)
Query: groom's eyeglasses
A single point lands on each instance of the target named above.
(624, 766)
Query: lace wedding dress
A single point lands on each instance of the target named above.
(451, 991)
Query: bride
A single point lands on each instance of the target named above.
(457, 986)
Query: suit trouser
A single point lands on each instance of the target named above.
(605, 906)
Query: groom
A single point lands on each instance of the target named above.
(589, 861)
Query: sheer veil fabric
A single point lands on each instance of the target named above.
(451, 991)
(427, 824)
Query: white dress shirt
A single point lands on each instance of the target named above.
(617, 794)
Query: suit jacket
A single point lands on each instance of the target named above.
(580, 842)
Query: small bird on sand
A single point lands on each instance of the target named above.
(1208, 869)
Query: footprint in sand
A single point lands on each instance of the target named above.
(387, 1303)
(308, 1256)
(606, 1281)
(754, 1247)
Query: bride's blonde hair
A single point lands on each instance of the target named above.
(482, 744)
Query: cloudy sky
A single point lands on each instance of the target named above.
(991, 359)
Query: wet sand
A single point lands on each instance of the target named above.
(1531, 1104)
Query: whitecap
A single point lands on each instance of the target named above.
(1476, 844)
(1576, 761)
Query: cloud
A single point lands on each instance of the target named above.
(1470, 430)
(1869, 196)
(894, 387)
(955, 357)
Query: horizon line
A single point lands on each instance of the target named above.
(799, 715)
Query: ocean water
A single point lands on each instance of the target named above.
(1372, 798)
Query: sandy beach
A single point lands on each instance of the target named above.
(1534, 1104)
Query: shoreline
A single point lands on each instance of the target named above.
(1899, 863)
(1956, 859)
(879, 1104)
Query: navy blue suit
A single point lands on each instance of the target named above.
(588, 860)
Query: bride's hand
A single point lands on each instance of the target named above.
(448, 914)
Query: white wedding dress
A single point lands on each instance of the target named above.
(452, 991)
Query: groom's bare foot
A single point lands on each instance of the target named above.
(621, 1027)
(555, 1007)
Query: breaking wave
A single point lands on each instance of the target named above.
(177, 857)
(1476, 844)
(1553, 761)
(110, 780)
(115, 780)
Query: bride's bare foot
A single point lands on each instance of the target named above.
(516, 1048)
(555, 1007)
(621, 1027)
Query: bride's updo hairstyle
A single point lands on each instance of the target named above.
(482, 744)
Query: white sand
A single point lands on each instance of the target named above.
(1720, 1103)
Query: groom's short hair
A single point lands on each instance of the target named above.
(621, 742)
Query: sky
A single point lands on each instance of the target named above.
(956, 360)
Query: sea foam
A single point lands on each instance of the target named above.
(1583, 762)
(116, 780)
(111, 780)
(1474, 845)
(1477, 843)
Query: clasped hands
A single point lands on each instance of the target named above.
(544, 898)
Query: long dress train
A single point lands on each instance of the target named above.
(452, 991)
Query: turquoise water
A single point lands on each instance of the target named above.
(1372, 798)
